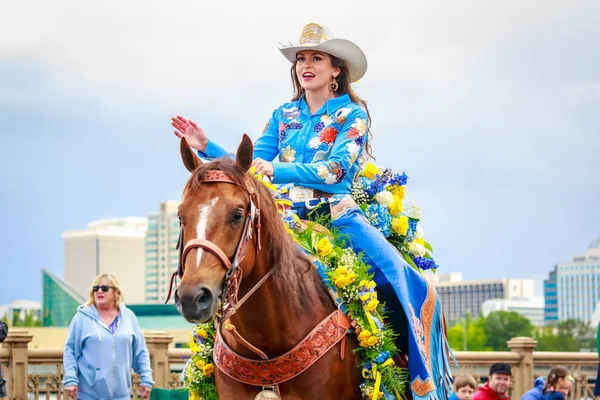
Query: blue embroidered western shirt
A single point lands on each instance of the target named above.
(318, 151)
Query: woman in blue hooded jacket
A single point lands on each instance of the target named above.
(104, 343)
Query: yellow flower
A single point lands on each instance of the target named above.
(208, 370)
(202, 333)
(195, 396)
(370, 171)
(420, 241)
(341, 281)
(372, 305)
(324, 247)
(365, 296)
(371, 284)
(372, 341)
(341, 270)
(397, 191)
(395, 206)
(200, 364)
(364, 335)
(400, 225)
(351, 277)
(253, 172)
(194, 347)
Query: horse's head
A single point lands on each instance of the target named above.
(217, 213)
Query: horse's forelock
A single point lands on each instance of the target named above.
(293, 267)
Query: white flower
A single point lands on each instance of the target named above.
(416, 249)
(384, 198)
(419, 232)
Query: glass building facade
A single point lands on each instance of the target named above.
(60, 302)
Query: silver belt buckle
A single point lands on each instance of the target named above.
(301, 193)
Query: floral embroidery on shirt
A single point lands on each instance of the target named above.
(266, 128)
(360, 140)
(341, 119)
(325, 174)
(336, 169)
(353, 150)
(282, 129)
(326, 119)
(352, 133)
(360, 125)
(290, 113)
(294, 125)
(358, 128)
(328, 135)
(315, 143)
(288, 154)
(318, 126)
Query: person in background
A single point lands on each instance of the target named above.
(556, 384)
(464, 387)
(537, 392)
(570, 385)
(3, 335)
(104, 342)
(496, 388)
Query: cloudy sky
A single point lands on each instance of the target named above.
(491, 107)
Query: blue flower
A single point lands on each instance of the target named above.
(379, 217)
(382, 357)
(425, 263)
(399, 179)
(319, 126)
(412, 230)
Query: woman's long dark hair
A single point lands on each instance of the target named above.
(344, 87)
(555, 374)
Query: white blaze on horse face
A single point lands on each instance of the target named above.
(204, 212)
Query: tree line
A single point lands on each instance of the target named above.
(492, 332)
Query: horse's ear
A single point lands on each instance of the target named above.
(244, 153)
(190, 159)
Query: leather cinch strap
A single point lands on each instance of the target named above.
(289, 365)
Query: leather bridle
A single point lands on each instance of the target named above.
(233, 276)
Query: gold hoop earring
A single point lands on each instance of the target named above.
(334, 85)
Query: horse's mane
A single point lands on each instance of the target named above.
(295, 274)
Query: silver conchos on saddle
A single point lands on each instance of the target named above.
(268, 393)
(301, 193)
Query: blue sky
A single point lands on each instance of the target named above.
(492, 109)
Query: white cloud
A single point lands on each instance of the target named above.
(184, 47)
(578, 93)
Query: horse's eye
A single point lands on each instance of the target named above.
(238, 215)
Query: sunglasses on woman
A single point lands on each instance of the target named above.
(104, 288)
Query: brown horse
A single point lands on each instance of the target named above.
(287, 298)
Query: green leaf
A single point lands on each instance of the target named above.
(428, 246)
(409, 260)
(363, 207)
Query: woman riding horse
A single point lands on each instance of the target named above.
(319, 138)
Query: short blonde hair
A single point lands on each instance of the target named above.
(112, 281)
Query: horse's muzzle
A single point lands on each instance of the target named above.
(197, 304)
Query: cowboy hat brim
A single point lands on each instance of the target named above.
(340, 48)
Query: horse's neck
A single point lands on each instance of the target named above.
(271, 318)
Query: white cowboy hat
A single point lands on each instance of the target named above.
(318, 38)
